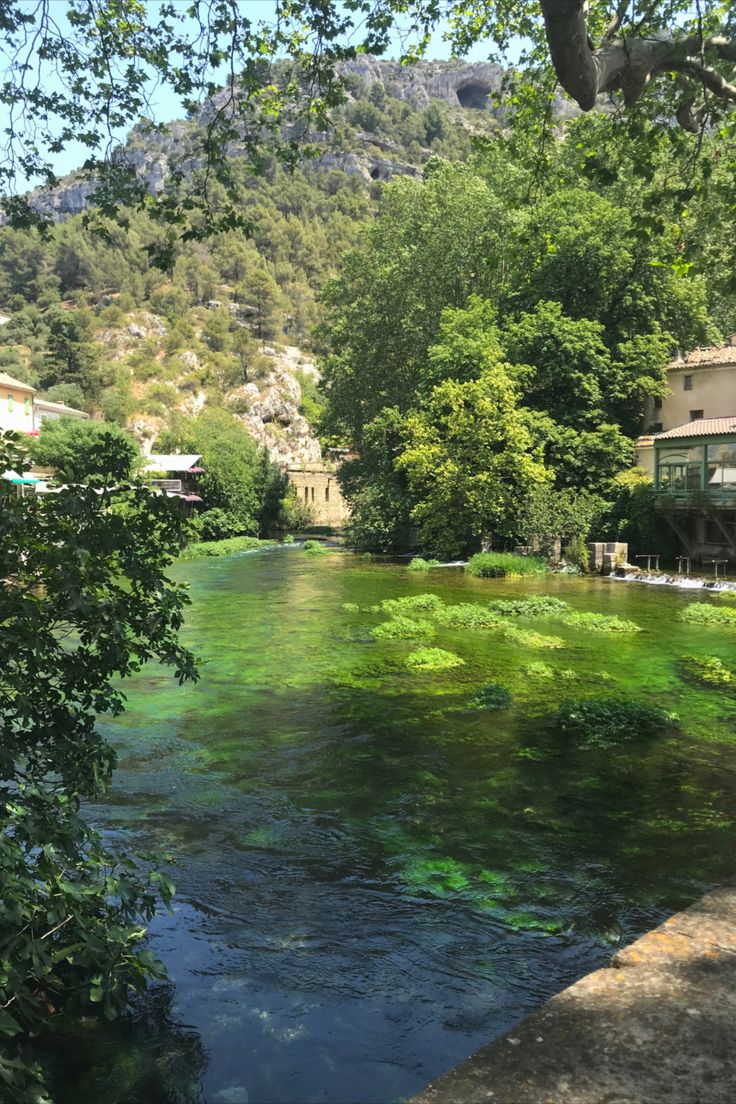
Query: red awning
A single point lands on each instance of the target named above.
(194, 471)
(191, 498)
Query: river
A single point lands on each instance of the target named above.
(373, 879)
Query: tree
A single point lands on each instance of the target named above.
(470, 461)
(83, 451)
(663, 58)
(84, 603)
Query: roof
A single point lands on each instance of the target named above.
(171, 462)
(59, 408)
(10, 381)
(701, 427)
(700, 358)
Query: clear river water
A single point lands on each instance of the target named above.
(374, 879)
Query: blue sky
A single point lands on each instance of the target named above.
(166, 105)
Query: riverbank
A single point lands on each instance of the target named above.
(657, 1025)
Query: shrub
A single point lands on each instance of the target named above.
(403, 628)
(418, 564)
(495, 565)
(608, 722)
(432, 659)
(223, 547)
(287, 538)
(709, 670)
(409, 604)
(576, 553)
(466, 615)
(698, 613)
(600, 622)
(314, 548)
(491, 696)
(536, 606)
(217, 524)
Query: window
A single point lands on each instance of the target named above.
(312, 494)
(327, 493)
(680, 469)
(721, 475)
(10, 402)
(306, 494)
(657, 402)
(687, 382)
(696, 415)
(27, 406)
(655, 427)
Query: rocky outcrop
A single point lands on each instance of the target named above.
(272, 416)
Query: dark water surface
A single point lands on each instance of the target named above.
(372, 880)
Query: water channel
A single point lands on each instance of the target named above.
(372, 878)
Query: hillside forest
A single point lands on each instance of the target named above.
(485, 316)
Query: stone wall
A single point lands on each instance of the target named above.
(317, 487)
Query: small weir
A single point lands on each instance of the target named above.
(684, 582)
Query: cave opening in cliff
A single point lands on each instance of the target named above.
(474, 95)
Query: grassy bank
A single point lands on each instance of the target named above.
(199, 549)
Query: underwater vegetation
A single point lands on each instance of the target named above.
(419, 564)
(542, 605)
(496, 565)
(227, 547)
(432, 659)
(708, 670)
(608, 722)
(528, 638)
(541, 670)
(698, 613)
(410, 604)
(465, 615)
(600, 622)
(404, 628)
(491, 696)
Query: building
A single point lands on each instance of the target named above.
(317, 487)
(176, 474)
(16, 404)
(44, 411)
(694, 468)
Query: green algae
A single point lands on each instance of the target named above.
(491, 696)
(411, 603)
(709, 671)
(466, 615)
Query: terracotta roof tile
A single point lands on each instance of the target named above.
(699, 358)
(701, 427)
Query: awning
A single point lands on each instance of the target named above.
(195, 471)
(14, 477)
(191, 498)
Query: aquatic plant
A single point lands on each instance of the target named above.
(432, 659)
(528, 638)
(288, 538)
(491, 696)
(495, 565)
(411, 603)
(351, 607)
(540, 670)
(228, 547)
(699, 613)
(709, 670)
(314, 548)
(726, 595)
(465, 615)
(608, 722)
(418, 564)
(600, 622)
(540, 605)
(404, 628)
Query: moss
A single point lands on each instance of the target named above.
(495, 565)
(600, 622)
(542, 605)
(527, 638)
(698, 613)
(404, 628)
(432, 659)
